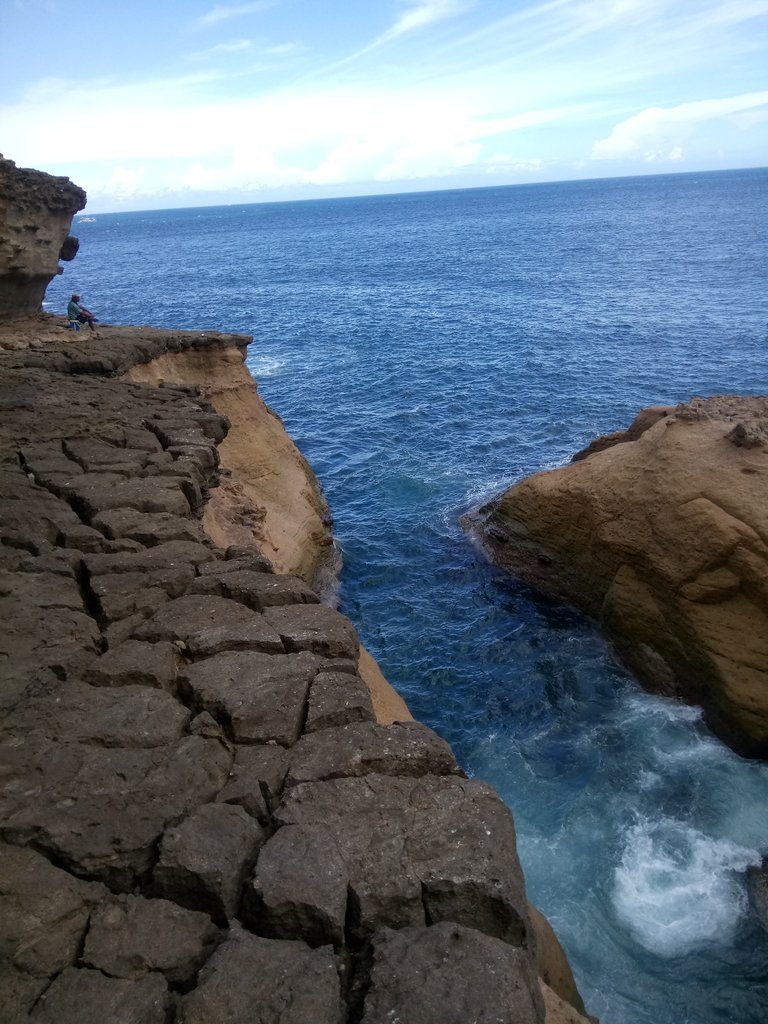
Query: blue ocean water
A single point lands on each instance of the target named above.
(425, 351)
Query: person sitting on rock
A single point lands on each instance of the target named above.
(77, 314)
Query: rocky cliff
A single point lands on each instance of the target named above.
(214, 807)
(36, 211)
(202, 816)
(661, 532)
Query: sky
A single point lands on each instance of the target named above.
(177, 103)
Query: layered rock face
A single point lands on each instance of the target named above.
(201, 818)
(36, 211)
(662, 534)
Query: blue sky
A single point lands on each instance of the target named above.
(161, 104)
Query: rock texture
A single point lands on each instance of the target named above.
(36, 211)
(662, 534)
(200, 817)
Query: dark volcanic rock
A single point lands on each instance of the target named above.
(338, 698)
(314, 628)
(257, 779)
(204, 860)
(130, 936)
(259, 981)
(404, 851)
(260, 697)
(90, 997)
(100, 812)
(364, 748)
(448, 974)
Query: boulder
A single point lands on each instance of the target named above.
(204, 860)
(663, 539)
(260, 981)
(129, 937)
(449, 974)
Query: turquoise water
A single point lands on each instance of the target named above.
(427, 350)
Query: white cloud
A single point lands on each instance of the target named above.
(225, 12)
(657, 132)
(421, 13)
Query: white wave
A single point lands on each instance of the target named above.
(265, 366)
(677, 889)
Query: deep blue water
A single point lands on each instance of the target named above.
(425, 351)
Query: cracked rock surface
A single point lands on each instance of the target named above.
(200, 819)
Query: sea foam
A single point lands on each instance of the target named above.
(677, 889)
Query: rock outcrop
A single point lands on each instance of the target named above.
(201, 817)
(661, 533)
(36, 211)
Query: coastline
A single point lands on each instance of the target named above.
(157, 445)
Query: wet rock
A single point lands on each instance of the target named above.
(449, 974)
(757, 886)
(130, 936)
(365, 748)
(261, 981)
(89, 997)
(204, 860)
(315, 628)
(338, 698)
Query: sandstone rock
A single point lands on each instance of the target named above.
(338, 698)
(551, 962)
(449, 974)
(130, 936)
(35, 218)
(663, 539)
(89, 997)
(204, 860)
(259, 981)
(365, 748)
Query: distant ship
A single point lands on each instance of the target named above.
(87, 220)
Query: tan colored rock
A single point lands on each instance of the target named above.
(664, 539)
(553, 967)
(269, 495)
(36, 211)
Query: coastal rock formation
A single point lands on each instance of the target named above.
(36, 211)
(201, 817)
(661, 533)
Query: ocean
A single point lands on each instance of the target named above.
(427, 350)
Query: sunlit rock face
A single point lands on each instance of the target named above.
(661, 533)
(36, 211)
